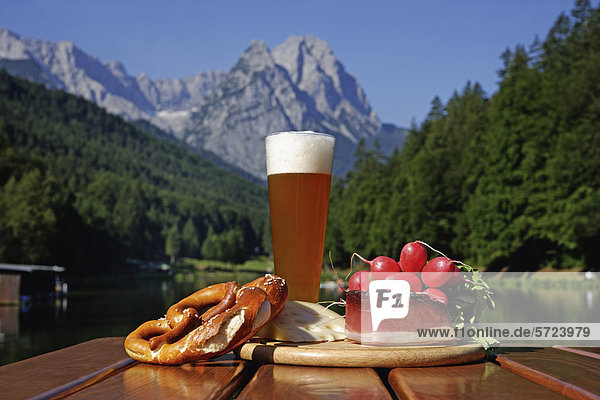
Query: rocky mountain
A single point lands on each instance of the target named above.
(62, 65)
(299, 85)
(337, 96)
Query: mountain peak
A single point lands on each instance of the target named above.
(257, 45)
(10, 45)
(298, 54)
(257, 57)
(5, 33)
(66, 45)
(316, 71)
(310, 44)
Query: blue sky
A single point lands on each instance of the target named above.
(403, 53)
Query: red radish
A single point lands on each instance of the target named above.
(456, 277)
(412, 279)
(437, 294)
(354, 282)
(413, 257)
(382, 264)
(360, 280)
(437, 271)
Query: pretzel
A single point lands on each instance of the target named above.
(235, 313)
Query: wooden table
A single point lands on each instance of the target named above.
(100, 369)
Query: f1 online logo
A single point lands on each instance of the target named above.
(389, 299)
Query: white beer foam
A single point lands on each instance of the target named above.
(299, 152)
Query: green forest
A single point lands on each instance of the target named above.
(86, 190)
(508, 180)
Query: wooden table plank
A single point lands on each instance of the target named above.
(471, 381)
(100, 369)
(572, 375)
(584, 351)
(215, 379)
(591, 349)
(274, 381)
(36, 375)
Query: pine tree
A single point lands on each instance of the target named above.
(191, 243)
(173, 242)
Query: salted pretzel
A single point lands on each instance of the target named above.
(184, 335)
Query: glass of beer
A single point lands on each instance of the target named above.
(299, 178)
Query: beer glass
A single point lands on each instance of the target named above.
(299, 178)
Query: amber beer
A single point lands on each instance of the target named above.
(299, 179)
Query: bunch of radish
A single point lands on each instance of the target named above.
(428, 277)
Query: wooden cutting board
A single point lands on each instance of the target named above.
(344, 353)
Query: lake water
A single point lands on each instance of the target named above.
(101, 307)
(115, 305)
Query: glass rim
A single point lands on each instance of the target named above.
(306, 133)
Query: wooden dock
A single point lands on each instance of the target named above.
(32, 280)
(9, 288)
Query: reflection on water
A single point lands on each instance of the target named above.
(101, 307)
(566, 305)
(555, 297)
(9, 321)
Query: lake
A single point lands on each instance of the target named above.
(116, 305)
(102, 306)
